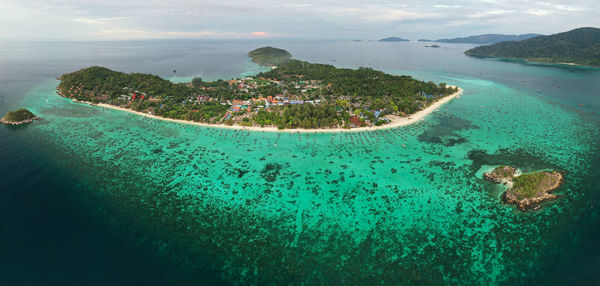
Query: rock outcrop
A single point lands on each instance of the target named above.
(501, 175)
(18, 117)
(528, 190)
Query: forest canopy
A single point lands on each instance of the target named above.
(296, 94)
(580, 46)
(269, 56)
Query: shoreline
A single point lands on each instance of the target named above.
(3, 121)
(396, 121)
(537, 62)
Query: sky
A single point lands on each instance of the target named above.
(325, 19)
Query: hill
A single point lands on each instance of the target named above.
(580, 46)
(19, 116)
(488, 39)
(269, 56)
(393, 39)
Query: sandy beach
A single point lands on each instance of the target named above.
(396, 121)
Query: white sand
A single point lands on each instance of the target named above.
(396, 121)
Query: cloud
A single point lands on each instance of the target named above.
(122, 34)
(98, 21)
(489, 13)
(350, 19)
(537, 12)
(459, 22)
(389, 15)
(446, 6)
(569, 8)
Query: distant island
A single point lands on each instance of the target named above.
(526, 190)
(488, 39)
(18, 117)
(432, 46)
(296, 94)
(393, 39)
(580, 46)
(424, 40)
(269, 56)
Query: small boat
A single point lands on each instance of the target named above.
(403, 145)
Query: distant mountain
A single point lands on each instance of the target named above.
(488, 39)
(580, 46)
(393, 39)
(269, 56)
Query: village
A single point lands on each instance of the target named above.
(295, 95)
(304, 92)
(259, 101)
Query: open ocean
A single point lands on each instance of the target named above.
(90, 196)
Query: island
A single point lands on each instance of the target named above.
(18, 117)
(269, 56)
(432, 46)
(487, 39)
(526, 190)
(294, 95)
(576, 47)
(393, 39)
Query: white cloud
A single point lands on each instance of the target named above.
(569, 8)
(446, 6)
(537, 12)
(124, 34)
(106, 19)
(98, 21)
(388, 16)
(489, 13)
(459, 22)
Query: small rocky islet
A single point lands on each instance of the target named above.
(526, 190)
(18, 117)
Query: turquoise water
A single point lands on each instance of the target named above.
(400, 206)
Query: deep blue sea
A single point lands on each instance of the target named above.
(96, 197)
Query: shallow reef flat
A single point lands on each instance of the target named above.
(396, 206)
